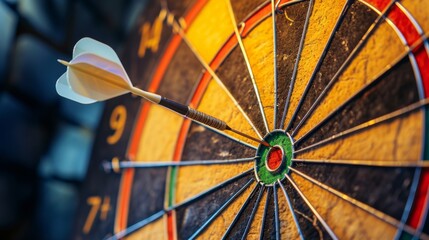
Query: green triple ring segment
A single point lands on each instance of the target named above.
(275, 138)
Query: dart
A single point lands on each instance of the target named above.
(96, 74)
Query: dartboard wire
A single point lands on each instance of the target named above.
(276, 81)
(222, 208)
(417, 174)
(319, 217)
(177, 28)
(264, 215)
(138, 225)
(298, 57)
(276, 212)
(186, 202)
(222, 133)
(372, 211)
(377, 78)
(419, 81)
(316, 68)
(119, 165)
(277, 5)
(240, 212)
(212, 189)
(349, 58)
(252, 214)
(246, 60)
(423, 219)
(295, 219)
(370, 163)
(410, 16)
(409, 204)
(370, 123)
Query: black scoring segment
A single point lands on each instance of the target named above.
(204, 144)
(355, 24)
(383, 188)
(392, 91)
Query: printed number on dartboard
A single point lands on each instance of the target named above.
(98, 206)
(117, 122)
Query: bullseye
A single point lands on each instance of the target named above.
(274, 158)
(272, 163)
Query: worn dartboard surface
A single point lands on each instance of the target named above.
(339, 89)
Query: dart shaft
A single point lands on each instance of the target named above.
(193, 114)
(204, 118)
(181, 109)
(218, 124)
(249, 137)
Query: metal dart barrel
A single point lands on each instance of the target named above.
(203, 118)
(193, 114)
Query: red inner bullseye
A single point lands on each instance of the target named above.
(274, 158)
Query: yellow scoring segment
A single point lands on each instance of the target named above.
(259, 48)
(155, 230)
(421, 14)
(288, 229)
(336, 211)
(159, 136)
(400, 142)
(222, 222)
(210, 30)
(368, 63)
(322, 21)
(215, 102)
(192, 180)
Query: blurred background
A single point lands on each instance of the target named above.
(45, 140)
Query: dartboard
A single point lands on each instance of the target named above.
(337, 88)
